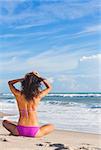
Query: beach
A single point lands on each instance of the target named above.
(77, 119)
(58, 140)
(50, 74)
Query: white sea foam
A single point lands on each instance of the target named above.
(76, 95)
(72, 118)
(62, 94)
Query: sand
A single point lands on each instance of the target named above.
(58, 140)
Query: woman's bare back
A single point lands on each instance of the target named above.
(27, 111)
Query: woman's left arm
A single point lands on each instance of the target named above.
(12, 87)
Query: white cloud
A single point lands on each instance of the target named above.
(89, 68)
(38, 34)
(59, 59)
(54, 60)
(95, 28)
(14, 53)
(79, 82)
(68, 82)
(92, 57)
(64, 67)
(25, 26)
(88, 30)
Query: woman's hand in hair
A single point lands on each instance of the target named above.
(37, 74)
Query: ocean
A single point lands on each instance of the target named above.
(67, 111)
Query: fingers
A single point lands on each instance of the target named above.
(36, 73)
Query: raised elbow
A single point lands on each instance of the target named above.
(50, 87)
(9, 82)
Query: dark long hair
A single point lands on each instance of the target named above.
(30, 86)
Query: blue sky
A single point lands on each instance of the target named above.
(58, 38)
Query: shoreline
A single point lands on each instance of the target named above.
(60, 129)
(57, 140)
(5, 114)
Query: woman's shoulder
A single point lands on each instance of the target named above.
(35, 100)
(20, 97)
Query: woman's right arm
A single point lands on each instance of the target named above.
(12, 87)
(47, 89)
(46, 83)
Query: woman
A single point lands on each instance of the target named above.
(27, 100)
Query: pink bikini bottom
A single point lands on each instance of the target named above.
(27, 130)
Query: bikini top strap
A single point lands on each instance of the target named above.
(24, 111)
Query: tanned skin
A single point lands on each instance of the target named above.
(30, 107)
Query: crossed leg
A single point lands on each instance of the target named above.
(10, 127)
(44, 130)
